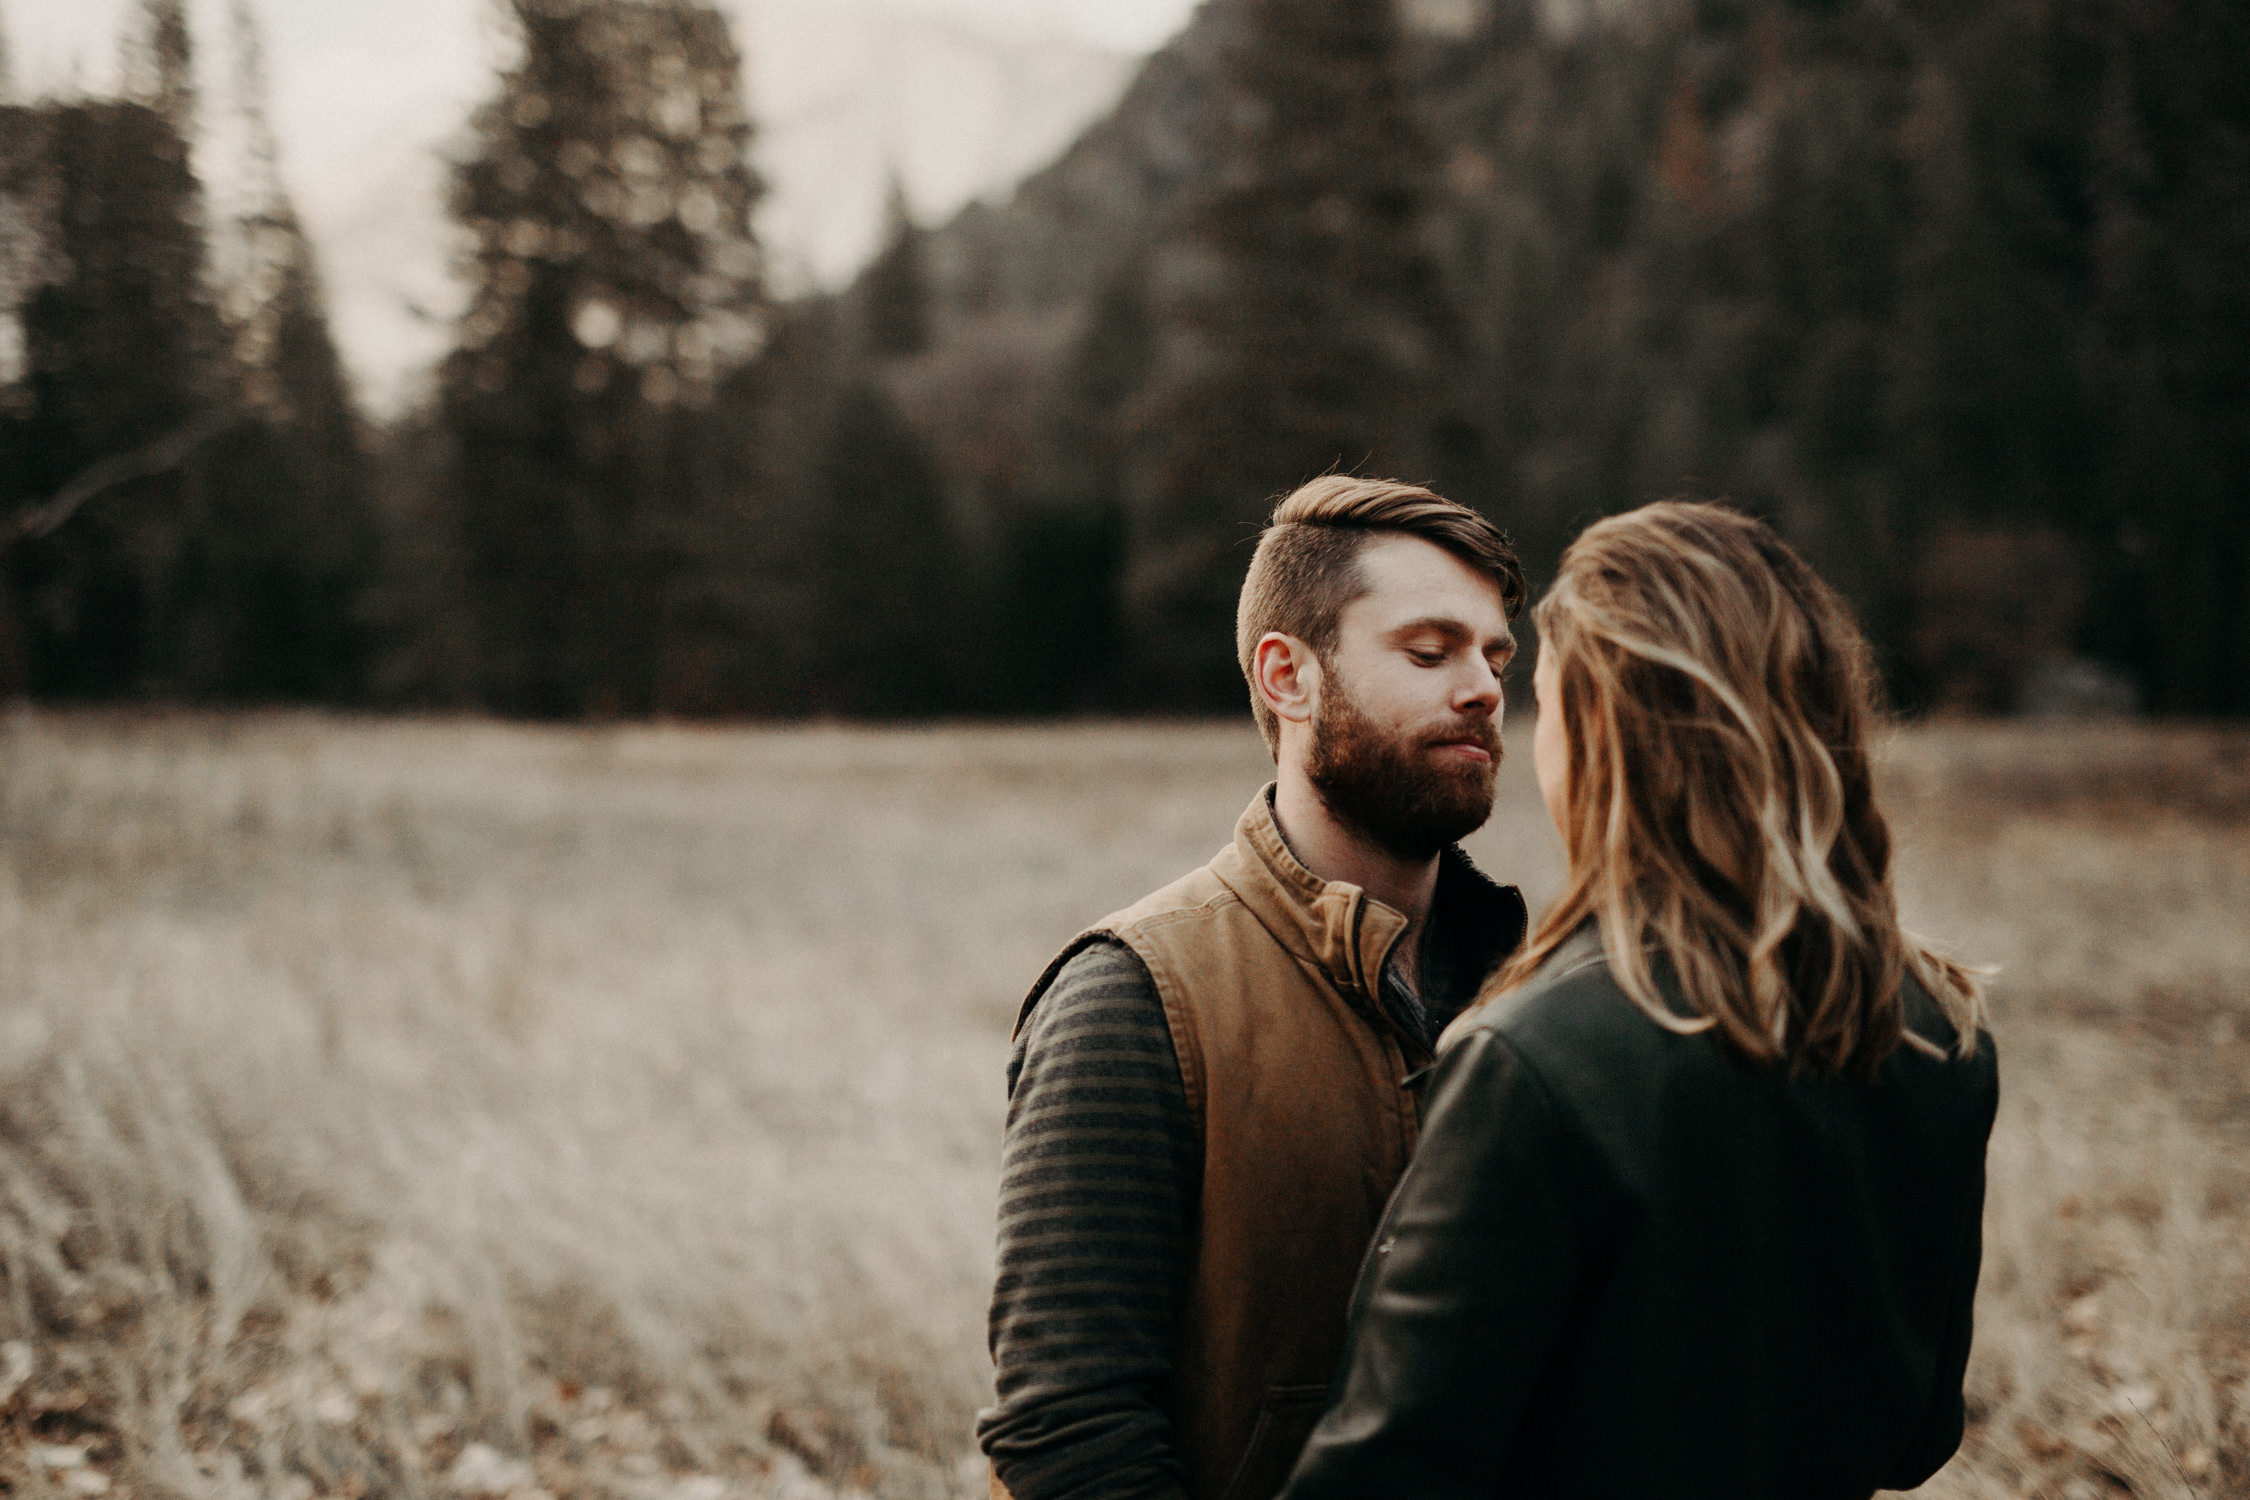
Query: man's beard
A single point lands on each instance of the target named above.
(1396, 787)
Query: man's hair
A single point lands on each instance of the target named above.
(1307, 565)
(1720, 812)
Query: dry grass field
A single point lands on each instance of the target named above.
(415, 1109)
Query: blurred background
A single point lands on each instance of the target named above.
(481, 1018)
(600, 358)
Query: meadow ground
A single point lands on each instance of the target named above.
(402, 1109)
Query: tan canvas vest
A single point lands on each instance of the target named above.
(1270, 979)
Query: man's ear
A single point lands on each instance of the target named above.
(1287, 673)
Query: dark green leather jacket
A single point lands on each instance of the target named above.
(1628, 1263)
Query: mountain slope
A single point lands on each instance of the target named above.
(843, 95)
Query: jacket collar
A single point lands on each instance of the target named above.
(1581, 950)
(1338, 929)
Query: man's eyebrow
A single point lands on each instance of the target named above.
(1446, 625)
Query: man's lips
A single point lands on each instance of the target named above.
(1466, 749)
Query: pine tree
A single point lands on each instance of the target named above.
(616, 284)
(268, 248)
(1055, 638)
(882, 558)
(160, 64)
(2171, 139)
(122, 375)
(897, 286)
(16, 134)
(286, 542)
(1301, 323)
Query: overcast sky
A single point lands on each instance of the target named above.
(345, 70)
(48, 36)
(364, 92)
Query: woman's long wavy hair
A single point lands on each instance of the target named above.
(1720, 807)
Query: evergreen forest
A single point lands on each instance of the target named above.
(1955, 292)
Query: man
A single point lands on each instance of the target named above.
(1211, 1094)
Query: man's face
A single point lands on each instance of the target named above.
(1406, 736)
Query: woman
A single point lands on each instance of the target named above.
(1696, 1207)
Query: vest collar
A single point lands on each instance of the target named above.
(1346, 934)
(1333, 925)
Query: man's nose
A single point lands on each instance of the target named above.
(1479, 690)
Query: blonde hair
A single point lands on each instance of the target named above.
(1306, 568)
(1720, 806)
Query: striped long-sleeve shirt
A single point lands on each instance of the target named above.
(1097, 1187)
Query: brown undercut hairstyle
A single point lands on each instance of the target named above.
(1306, 568)
(1720, 810)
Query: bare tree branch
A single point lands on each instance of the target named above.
(120, 468)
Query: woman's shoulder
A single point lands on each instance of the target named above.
(1576, 1026)
(1930, 1057)
(1626, 1082)
(1571, 1008)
